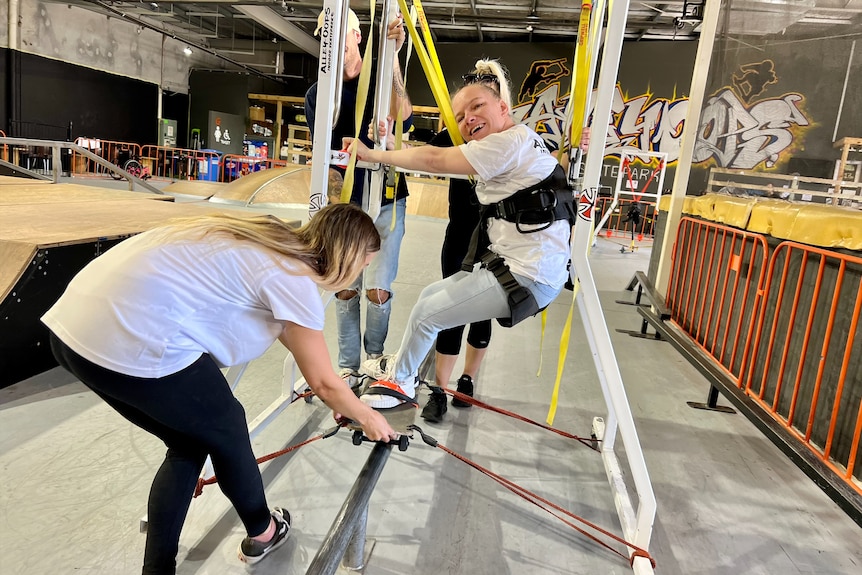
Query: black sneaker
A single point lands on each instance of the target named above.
(436, 406)
(251, 551)
(465, 386)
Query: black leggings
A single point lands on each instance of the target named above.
(195, 413)
(455, 246)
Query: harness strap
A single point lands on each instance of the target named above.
(522, 303)
(538, 205)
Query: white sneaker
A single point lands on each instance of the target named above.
(380, 368)
(350, 377)
(406, 393)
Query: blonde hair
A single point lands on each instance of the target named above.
(493, 67)
(331, 247)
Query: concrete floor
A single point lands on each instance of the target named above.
(75, 475)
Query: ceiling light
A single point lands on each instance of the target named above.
(187, 51)
(529, 28)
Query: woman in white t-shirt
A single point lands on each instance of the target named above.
(148, 325)
(506, 158)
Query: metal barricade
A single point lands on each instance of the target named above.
(715, 289)
(806, 361)
(784, 325)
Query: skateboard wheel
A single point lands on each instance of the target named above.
(357, 437)
(403, 442)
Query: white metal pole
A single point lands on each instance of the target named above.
(329, 73)
(638, 529)
(689, 137)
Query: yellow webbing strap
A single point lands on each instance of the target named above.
(361, 99)
(578, 101)
(433, 73)
(580, 86)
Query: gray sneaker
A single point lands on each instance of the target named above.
(251, 551)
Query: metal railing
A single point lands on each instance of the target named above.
(807, 339)
(19, 144)
(783, 325)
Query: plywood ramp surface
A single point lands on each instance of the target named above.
(428, 197)
(287, 185)
(198, 188)
(43, 193)
(14, 259)
(24, 228)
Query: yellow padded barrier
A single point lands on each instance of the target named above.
(733, 211)
(664, 204)
(828, 227)
(773, 218)
(812, 224)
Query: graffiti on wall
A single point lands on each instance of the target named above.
(737, 131)
(644, 122)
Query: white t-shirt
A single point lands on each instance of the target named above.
(507, 162)
(150, 306)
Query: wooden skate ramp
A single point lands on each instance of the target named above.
(43, 245)
(275, 186)
(197, 188)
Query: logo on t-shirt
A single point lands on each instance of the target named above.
(538, 144)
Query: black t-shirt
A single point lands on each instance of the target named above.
(346, 127)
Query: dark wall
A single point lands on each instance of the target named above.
(175, 106)
(772, 106)
(5, 112)
(95, 103)
(217, 91)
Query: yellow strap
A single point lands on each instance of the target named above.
(438, 86)
(542, 340)
(577, 101)
(561, 360)
(361, 100)
(580, 79)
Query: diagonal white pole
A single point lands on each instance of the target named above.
(636, 523)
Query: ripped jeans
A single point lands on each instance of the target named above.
(380, 274)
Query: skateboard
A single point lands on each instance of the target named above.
(400, 417)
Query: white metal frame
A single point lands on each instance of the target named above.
(637, 521)
(626, 155)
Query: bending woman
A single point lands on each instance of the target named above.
(148, 325)
(507, 159)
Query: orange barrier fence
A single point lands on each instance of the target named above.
(620, 222)
(179, 163)
(715, 288)
(809, 376)
(109, 150)
(783, 322)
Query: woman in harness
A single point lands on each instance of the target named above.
(522, 266)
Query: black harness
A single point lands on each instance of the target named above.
(538, 206)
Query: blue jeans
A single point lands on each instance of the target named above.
(466, 297)
(380, 274)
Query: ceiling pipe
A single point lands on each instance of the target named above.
(201, 47)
